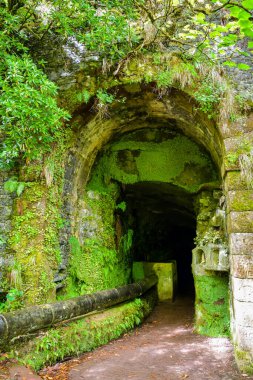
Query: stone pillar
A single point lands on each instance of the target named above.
(210, 266)
(240, 230)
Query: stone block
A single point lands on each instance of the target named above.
(240, 221)
(240, 200)
(238, 127)
(230, 163)
(234, 181)
(5, 211)
(243, 337)
(237, 144)
(242, 266)
(166, 273)
(242, 289)
(243, 314)
(233, 147)
(241, 243)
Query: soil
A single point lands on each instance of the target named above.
(164, 347)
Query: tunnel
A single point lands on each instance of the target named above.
(164, 224)
(150, 193)
(147, 192)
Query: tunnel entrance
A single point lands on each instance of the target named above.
(154, 196)
(163, 220)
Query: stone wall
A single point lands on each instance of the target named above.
(210, 265)
(6, 206)
(240, 230)
(69, 65)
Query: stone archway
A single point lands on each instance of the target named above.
(160, 171)
(138, 108)
(141, 108)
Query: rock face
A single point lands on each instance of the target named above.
(150, 166)
(6, 209)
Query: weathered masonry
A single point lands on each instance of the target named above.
(152, 178)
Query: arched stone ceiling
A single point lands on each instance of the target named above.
(139, 107)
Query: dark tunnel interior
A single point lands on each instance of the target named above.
(163, 220)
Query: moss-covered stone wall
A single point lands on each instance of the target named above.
(139, 105)
(212, 304)
(99, 253)
(210, 265)
(101, 243)
(156, 155)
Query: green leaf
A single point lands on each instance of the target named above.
(245, 23)
(200, 18)
(86, 96)
(229, 40)
(11, 185)
(248, 32)
(230, 63)
(250, 45)
(234, 11)
(248, 4)
(20, 188)
(243, 15)
(243, 66)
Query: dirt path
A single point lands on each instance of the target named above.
(165, 347)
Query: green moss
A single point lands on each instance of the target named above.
(235, 181)
(241, 201)
(138, 271)
(126, 243)
(166, 275)
(166, 70)
(27, 241)
(176, 160)
(97, 263)
(85, 334)
(212, 305)
(95, 267)
(36, 222)
(244, 361)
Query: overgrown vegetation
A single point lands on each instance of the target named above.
(98, 261)
(13, 185)
(14, 301)
(30, 118)
(84, 335)
(139, 158)
(212, 305)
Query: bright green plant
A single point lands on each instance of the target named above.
(29, 115)
(2, 240)
(84, 96)
(14, 300)
(104, 97)
(31, 120)
(14, 186)
(122, 206)
(209, 94)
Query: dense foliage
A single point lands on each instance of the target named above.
(30, 119)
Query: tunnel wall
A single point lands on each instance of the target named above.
(57, 213)
(99, 247)
(210, 265)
